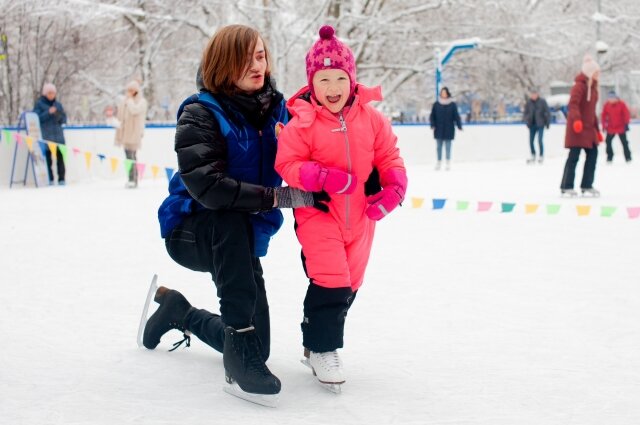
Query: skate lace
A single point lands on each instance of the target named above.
(186, 339)
(331, 360)
(253, 357)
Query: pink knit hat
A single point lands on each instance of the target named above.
(48, 87)
(330, 53)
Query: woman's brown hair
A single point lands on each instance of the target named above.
(227, 55)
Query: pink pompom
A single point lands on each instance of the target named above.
(326, 32)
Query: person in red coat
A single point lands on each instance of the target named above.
(615, 120)
(582, 129)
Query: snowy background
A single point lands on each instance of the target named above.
(465, 317)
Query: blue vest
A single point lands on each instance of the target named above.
(251, 154)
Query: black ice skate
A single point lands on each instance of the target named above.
(247, 376)
(171, 314)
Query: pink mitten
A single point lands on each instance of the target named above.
(315, 178)
(392, 193)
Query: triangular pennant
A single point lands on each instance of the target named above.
(87, 159)
(140, 169)
(438, 204)
(462, 205)
(416, 202)
(63, 151)
(29, 142)
(128, 163)
(53, 147)
(169, 172)
(634, 212)
(76, 151)
(17, 137)
(155, 170)
(530, 208)
(101, 156)
(43, 147)
(507, 207)
(6, 135)
(583, 209)
(484, 206)
(553, 209)
(607, 211)
(114, 164)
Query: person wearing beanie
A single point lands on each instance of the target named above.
(132, 115)
(339, 144)
(537, 117)
(443, 119)
(615, 121)
(582, 132)
(52, 116)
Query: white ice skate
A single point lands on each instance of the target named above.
(327, 367)
(145, 310)
(591, 192)
(569, 192)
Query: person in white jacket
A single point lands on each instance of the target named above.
(132, 112)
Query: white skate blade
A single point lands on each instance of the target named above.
(143, 319)
(334, 387)
(268, 400)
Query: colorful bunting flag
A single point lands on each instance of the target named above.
(583, 210)
(507, 207)
(29, 141)
(128, 163)
(101, 157)
(140, 169)
(462, 205)
(63, 151)
(87, 159)
(169, 172)
(114, 164)
(553, 209)
(634, 212)
(530, 208)
(416, 202)
(6, 135)
(53, 147)
(155, 170)
(484, 206)
(438, 204)
(607, 211)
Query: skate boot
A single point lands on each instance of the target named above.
(594, 193)
(171, 314)
(447, 165)
(247, 376)
(438, 165)
(531, 160)
(540, 160)
(569, 192)
(327, 367)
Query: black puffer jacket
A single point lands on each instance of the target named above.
(202, 159)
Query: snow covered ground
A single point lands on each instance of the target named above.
(465, 317)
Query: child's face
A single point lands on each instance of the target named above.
(332, 88)
(252, 79)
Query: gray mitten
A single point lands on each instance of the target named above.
(290, 197)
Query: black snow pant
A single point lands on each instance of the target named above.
(588, 173)
(221, 243)
(325, 312)
(59, 165)
(625, 146)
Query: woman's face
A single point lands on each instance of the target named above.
(253, 75)
(443, 94)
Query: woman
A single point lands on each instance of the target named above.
(220, 212)
(582, 129)
(444, 115)
(132, 113)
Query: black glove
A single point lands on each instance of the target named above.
(320, 200)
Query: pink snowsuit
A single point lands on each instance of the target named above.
(336, 245)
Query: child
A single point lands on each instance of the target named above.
(333, 143)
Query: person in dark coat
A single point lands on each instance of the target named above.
(222, 208)
(443, 119)
(52, 116)
(537, 117)
(615, 121)
(582, 131)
